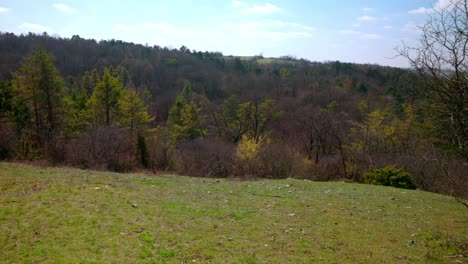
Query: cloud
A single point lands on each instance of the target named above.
(275, 28)
(63, 8)
(261, 9)
(4, 10)
(360, 34)
(371, 36)
(31, 27)
(439, 5)
(366, 18)
(349, 32)
(421, 10)
(410, 27)
(121, 28)
(255, 31)
(388, 27)
(236, 3)
(158, 26)
(367, 9)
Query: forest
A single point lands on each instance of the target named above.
(119, 106)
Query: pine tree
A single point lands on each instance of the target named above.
(102, 108)
(89, 81)
(184, 116)
(38, 82)
(133, 112)
(189, 124)
(75, 104)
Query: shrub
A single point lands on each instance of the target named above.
(277, 161)
(7, 141)
(389, 176)
(142, 151)
(246, 156)
(161, 149)
(269, 159)
(101, 148)
(209, 157)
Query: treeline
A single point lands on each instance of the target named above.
(121, 106)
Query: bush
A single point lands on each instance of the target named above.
(389, 176)
(278, 161)
(246, 157)
(102, 148)
(209, 157)
(7, 141)
(269, 159)
(161, 149)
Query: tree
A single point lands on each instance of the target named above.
(6, 96)
(160, 148)
(441, 59)
(238, 119)
(102, 108)
(39, 84)
(89, 81)
(133, 111)
(233, 121)
(7, 134)
(74, 109)
(184, 116)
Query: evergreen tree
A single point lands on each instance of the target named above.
(133, 111)
(38, 82)
(89, 81)
(75, 104)
(189, 125)
(102, 108)
(184, 116)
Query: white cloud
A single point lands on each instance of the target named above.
(367, 9)
(261, 9)
(439, 5)
(359, 34)
(158, 26)
(260, 32)
(421, 10)
(63, 8)
(31, 27)
(388, 27)
(410, 27)
(371, 36)
(4, 10)
(349, 32)
(236, 3)
(366, 18)
(291, 25)
(121, 27)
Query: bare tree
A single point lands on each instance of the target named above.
(440, 57)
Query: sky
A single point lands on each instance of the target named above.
(360, 31)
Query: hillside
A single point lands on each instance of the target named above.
(122, 106)
(69, 215)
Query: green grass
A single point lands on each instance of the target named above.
(73, 216)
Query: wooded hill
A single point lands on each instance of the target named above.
(118, 106)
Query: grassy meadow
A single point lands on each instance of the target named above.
(65, 215)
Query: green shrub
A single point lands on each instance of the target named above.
(389, 176)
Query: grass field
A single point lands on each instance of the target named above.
(73, 216)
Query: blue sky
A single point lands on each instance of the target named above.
(361, 31)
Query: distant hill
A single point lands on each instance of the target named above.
(163, 70)
(197, 110)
